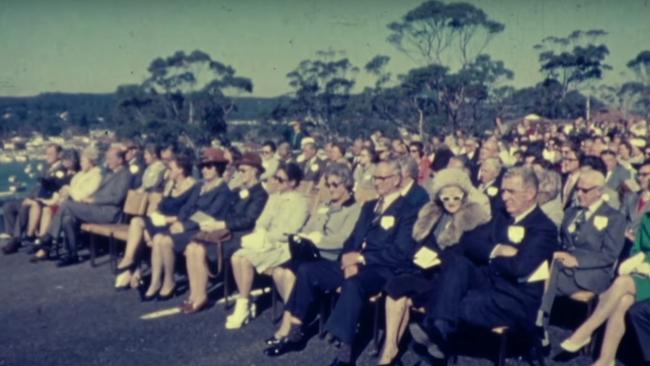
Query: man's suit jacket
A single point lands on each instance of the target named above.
(112, 192)
(618, 176)
(214, 203)
(509, 275)
(629, 209)
(384, 240)
(52, 179)
(596, 248)
(312, 170)
(417, 196)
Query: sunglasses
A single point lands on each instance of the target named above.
(207, 166)
(332, 184)
(451, 198)
(585, 190)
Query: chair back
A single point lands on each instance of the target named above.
(136, 203)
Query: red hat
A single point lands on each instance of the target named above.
(213, 155)
(251, 159)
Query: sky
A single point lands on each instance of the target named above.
(95, 46)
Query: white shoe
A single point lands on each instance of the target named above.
(240, 316)
(123, 280)
(572, 347)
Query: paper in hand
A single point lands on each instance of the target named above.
(157, 219)
(315, 237)
(542, 273)
(426, 258)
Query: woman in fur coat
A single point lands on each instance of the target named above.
(455, 214)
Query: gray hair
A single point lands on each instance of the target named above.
(92, 154)
(549, 185)
(394, 165)
(342, 171)
(409, 167)
(527, 176)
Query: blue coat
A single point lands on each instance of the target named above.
(384, 240)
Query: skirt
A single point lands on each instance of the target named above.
(266, 258)
(419, 287)
(642, 285)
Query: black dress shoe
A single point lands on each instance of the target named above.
(11, 247)
(272, 341)
(68, 261)
(285, 345)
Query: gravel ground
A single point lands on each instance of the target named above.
(72, 316)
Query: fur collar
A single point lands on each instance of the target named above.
(467, 218)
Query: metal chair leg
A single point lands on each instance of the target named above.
(226, 284)
(93, 251)
(375, 327)
(503, 349)
(113, 253)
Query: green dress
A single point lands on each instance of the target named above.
(642, 244)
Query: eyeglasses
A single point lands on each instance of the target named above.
(644, 174)
(451, 198)
(332, 184)
(379, 178)
(586, 190)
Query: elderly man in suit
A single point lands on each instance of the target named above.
(592, 238)
(489, 180)
(104, 206)
(411, 190)
(494, 283)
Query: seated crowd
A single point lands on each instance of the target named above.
(457, 231)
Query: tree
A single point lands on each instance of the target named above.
(640, 65)
(189, 92)
(321, 88)
(433, 28)
(573, 60)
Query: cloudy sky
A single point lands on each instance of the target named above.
(94, 46)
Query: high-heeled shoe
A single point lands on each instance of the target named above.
(41, 255)
(272, 341)
(191, 308)
(240, 316)
(120, 283)
(573, 347)
(144, 297)
(286, 345)
(165, 297)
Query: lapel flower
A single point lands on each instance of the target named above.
(387, 222)
(600, 222)
(59, 174)
(314, 167)
(134, 169)
(492, 191)
(243, 194)
(516, 233)
(572, 228)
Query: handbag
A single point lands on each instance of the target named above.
(303, 249)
